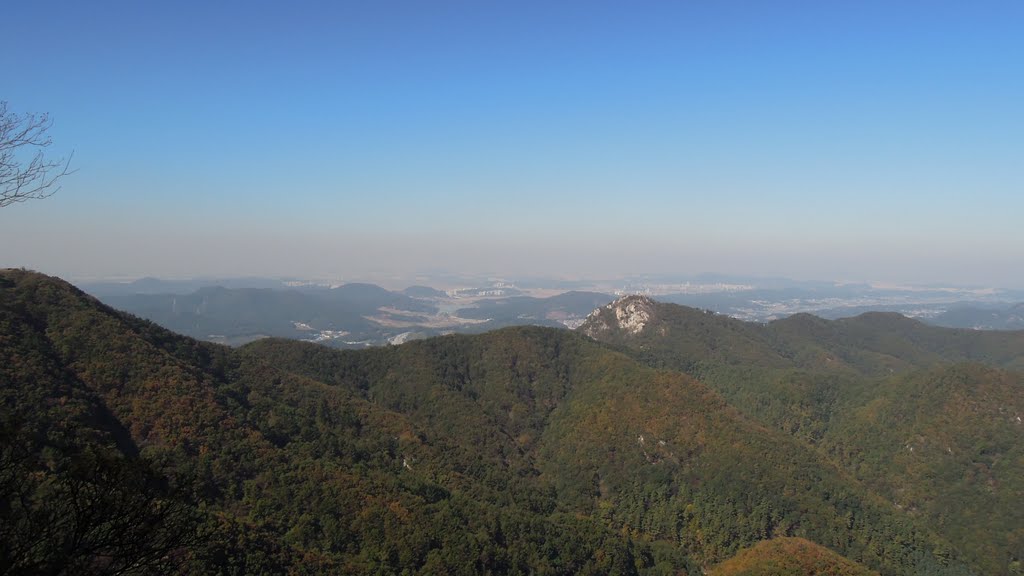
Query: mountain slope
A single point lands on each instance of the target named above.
(651, 452)
(293, 473)
(908, 409)
(517, 451)
(679, 337)
(947, 445)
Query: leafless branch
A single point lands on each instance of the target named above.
(26, 173)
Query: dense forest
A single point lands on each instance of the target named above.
(928, 418)
(528, 450)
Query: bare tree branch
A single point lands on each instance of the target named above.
(26, 173)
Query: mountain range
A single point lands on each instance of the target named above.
(357, 315)
(352, 315)
(927, 417)
(655, 439)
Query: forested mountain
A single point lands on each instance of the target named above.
(927, 417)
(524, 450)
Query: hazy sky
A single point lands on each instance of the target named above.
(827, 140)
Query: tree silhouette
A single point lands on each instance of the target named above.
(26, 172)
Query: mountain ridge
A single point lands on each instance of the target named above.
(925, 416)
(522, 449)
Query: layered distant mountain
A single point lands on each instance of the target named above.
(353, 315)
(151, 285)
(522, 450)
(424, 292)
(567, 309)
(983, 317)
(240, 314)
(356, 315)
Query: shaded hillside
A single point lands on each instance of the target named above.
(654, 454)
(789, 557)
(292, 474)
(907, 408)
(518, 451)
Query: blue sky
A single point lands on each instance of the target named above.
(827, 140)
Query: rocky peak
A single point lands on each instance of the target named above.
(629, 314)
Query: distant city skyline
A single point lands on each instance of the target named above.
(874, 141)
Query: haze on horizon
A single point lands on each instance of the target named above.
(870, 141)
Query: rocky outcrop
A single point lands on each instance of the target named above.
(629, 314)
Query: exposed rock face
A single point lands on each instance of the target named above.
(629, 314)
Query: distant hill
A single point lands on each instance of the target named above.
(557, 311)
(424, 292)
(988, 318)
(351, 315)
(789, 557)
(925, 416)
(368, 298)
(214, 312)
(163, 286)
(236, 316)
(524, 450)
